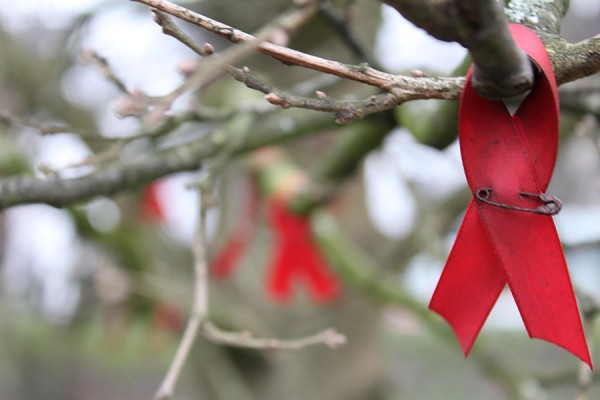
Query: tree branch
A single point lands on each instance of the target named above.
(27, 189)
(344, 110)
(570, 61)
(329, 337)
(219, 63)
(404, 87)
(501, 69)
(199, 308)
(540, 15)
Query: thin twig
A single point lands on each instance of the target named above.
(91, 57)
(138, 103)
(199, 309)
(115, 177)
(344, 110)
(328, 337)
(217, 64)
(406, 87)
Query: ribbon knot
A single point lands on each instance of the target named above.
(507, 235)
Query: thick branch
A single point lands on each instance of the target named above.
(570, 61)
(501, 69)
(540, 15)
(573, 61)
(26, 189)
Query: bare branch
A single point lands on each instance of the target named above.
(344, 110)
(199, 308)
(570, 62)
(245, 339)
(583, 58)
(58, 192)
(405, 87)
(91, 57)
(209, 70)
(27, 189)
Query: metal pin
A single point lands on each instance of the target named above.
(551, 204)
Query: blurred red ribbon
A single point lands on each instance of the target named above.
(296, 257)
(151, 207)
(228, 257)
(507, 235)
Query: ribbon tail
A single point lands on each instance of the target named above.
(279, 283)
(537, 275)
(470, 283)
(225, 262)
(229, 256)
(323, 285)
(152, 208)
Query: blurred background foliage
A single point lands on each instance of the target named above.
(93, 298)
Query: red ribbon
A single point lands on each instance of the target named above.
(151, 208)
(228, 257)
(507, 235)
(296, 257)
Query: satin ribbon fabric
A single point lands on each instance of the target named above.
(508, 235)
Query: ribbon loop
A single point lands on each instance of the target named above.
(507, 236)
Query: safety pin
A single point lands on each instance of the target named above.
(552, 204)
